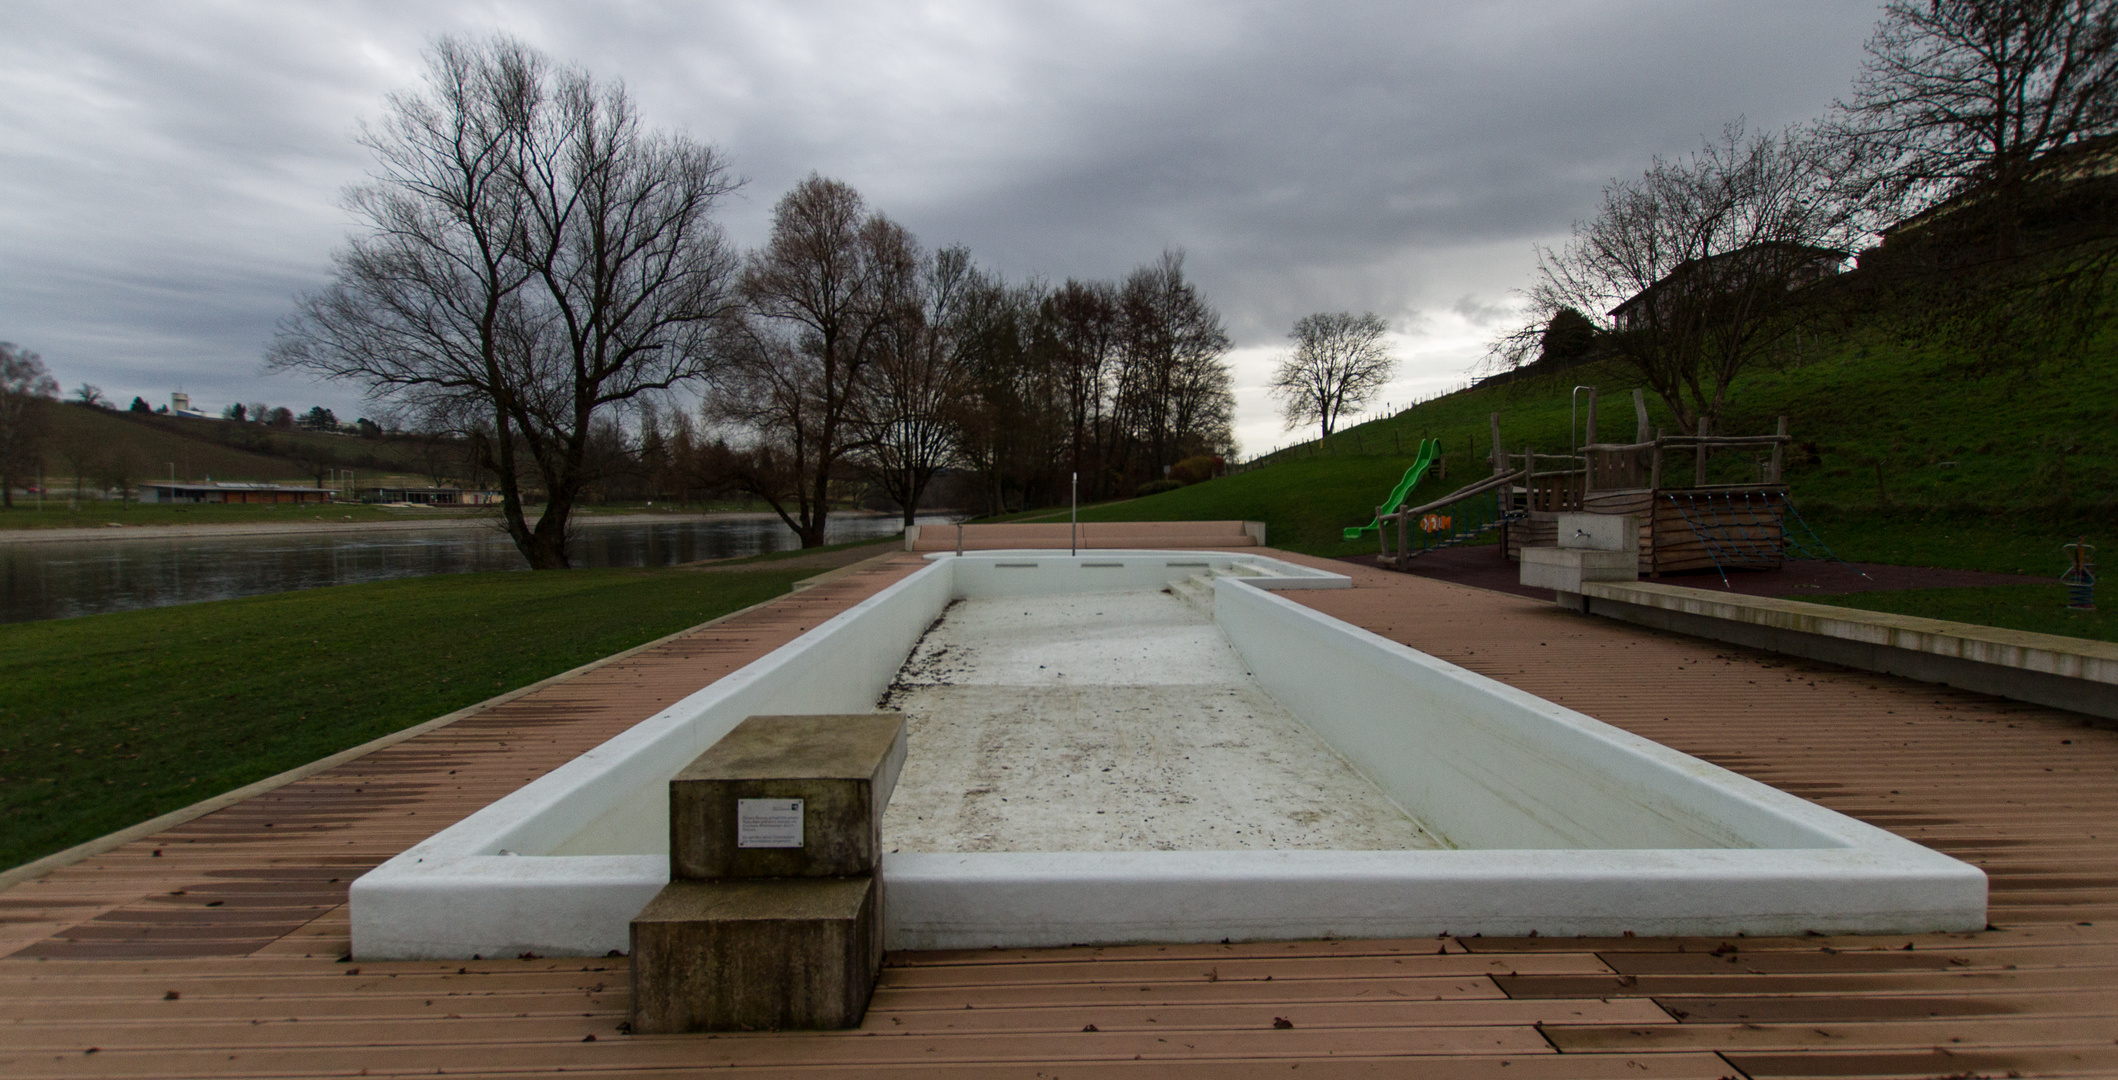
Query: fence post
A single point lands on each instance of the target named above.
(1699, 454)
(1778, 448)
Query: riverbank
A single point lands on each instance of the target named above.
(319, 524)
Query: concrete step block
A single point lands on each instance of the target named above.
(786, 796)
(1564, 569)
(774, 954)
(1196, 590)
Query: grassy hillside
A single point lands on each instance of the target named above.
(112, 447)
(1907, 455)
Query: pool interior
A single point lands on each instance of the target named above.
(1119, 721)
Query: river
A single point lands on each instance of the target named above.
(63, 579)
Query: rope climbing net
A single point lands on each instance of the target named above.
(1459, 523)
(1742, 528)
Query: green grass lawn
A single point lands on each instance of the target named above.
(108, 720)
(1304, 503)
(2004, 545)
(2037, 608)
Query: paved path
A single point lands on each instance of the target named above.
(213, 950)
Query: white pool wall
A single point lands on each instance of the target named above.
(1612, 832)
(1564, 825)
(550, 867)
(1487, 765)
(1034, 899)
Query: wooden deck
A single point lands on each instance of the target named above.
(214, 949)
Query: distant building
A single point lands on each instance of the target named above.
(180, 405)
(1793, 265)
(2066, 194)
(164, 491)
(428, 496)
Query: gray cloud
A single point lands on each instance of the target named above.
(169, 172)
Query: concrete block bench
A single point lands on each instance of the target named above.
(772, 918)
(2063, 672)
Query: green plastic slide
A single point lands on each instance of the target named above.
(1429, 449)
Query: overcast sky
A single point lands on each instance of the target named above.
(171, 171)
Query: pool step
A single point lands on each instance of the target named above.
(1196, 590)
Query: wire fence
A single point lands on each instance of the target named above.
(1349, 439)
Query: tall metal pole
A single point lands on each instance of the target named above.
(1573, 403)
(1073, 520)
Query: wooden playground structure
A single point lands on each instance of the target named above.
(1662, 481)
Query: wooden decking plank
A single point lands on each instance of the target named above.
(1824, 983)
(1936, 1062)
(528, 1053)
(1821, 1009)
(1770, 962)
(1844, 1034)
(1434, 988)
(190, 1008)
(1251, 949)
(1457, 1067)
(296, 1028)
(1245, 969)
(2020, 790)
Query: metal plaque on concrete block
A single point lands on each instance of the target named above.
(768, 823)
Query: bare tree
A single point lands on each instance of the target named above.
(1005, 427)
(1699, 262)
(1079, 321)
(1339, 362)
(912, 399)
(828, 293)
(1964, 97)
(1173, 387)
(83, 450)
(534, 257)
(25, 386)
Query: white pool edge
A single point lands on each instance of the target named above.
(454, 895)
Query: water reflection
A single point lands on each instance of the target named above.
(62, 580)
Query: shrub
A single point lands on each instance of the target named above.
(1156, 487)
(1193, 470)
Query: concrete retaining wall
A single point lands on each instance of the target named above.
(2065, 673)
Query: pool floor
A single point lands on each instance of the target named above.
(1113, 722)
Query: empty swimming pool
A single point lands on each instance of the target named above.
(1272, 773)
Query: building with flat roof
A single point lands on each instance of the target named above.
(429, 496)
(165, 491)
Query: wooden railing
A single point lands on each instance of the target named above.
(1614, 466)
(1620, 466)
(1458, 526)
